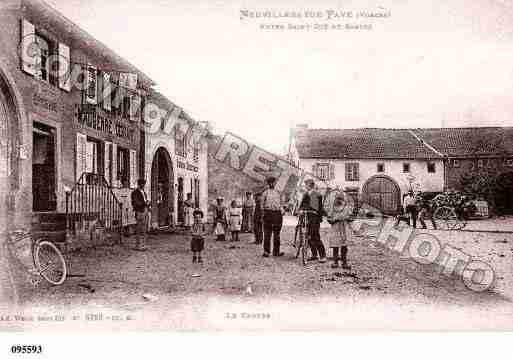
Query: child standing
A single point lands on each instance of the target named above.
(220, 220)
(198, 236)
(235, 220)
(340, 232)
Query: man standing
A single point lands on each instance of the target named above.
(410, 208)
(248, 207)
(257, 219)
(140, 205)
(312, 202)
(273, 218)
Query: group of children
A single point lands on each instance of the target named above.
(230, 219)
(225, 219)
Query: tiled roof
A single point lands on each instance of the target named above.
(362, 143)
(469, 141)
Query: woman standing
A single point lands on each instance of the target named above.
(220, 219)
(340, 231)
(189, 211)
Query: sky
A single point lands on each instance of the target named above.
(429, 64)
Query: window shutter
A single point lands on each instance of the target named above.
(108, 162)
(356, 171)
(332, 171)
(64, 67)
(92, 90)
(133, 168)
(106, 95)
(314, 169)
(347, 170)
(114, 165)
(90, 157)
(135, 104)
(81, 155)
(29, 49)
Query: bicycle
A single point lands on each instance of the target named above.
(40, 257)
(302, 236)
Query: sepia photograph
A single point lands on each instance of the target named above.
(255, 166)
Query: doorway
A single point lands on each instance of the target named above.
(382, 192)
(162, 188)
(44, 198)
(180, 201)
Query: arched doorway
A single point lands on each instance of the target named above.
(383, 193)
(162, 193)
(8, 157)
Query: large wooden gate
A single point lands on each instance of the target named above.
(383, 193)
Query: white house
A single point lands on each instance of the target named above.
(381, 164)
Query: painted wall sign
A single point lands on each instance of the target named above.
(187, 166)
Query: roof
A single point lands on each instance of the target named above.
(361, 143)
(469, 141)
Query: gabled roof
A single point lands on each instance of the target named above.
(469, 141)
(361, 143)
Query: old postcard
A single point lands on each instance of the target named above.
(255, 165)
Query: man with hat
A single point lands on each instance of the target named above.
(312, 202)
(273, 218)
(140, 205)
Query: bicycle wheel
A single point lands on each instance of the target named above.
(50, 263)
(305, 248)
(300, 241)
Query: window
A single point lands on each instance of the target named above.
(196, 193)
(456, 163)
(180, 143)
(45, 70)
(431, 168)
(352, 172)
(123, 171)
(323, 171)
(480, 163)
(381, 167)
(92, 156)
(406, 167)
(509, 162)
(196, 153)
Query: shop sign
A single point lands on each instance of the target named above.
(187, 166)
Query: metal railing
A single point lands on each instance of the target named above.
(92, 200)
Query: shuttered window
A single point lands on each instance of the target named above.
(133, 169)
(92, 85)
(352, 172)
(64, 67)
(114, 169)
(107, 172)
(28, 47)
(81, 155)
(106, 94)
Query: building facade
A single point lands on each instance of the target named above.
(176, 153)
(381, 165)
(71, 115)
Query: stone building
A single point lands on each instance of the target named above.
(70, 112)
(176, 161)
(380, 164)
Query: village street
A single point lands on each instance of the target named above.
(237, 288)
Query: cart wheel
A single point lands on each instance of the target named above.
(441, 214)
(50, 263)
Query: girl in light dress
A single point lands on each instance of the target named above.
(341, 232)
(235, 220)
